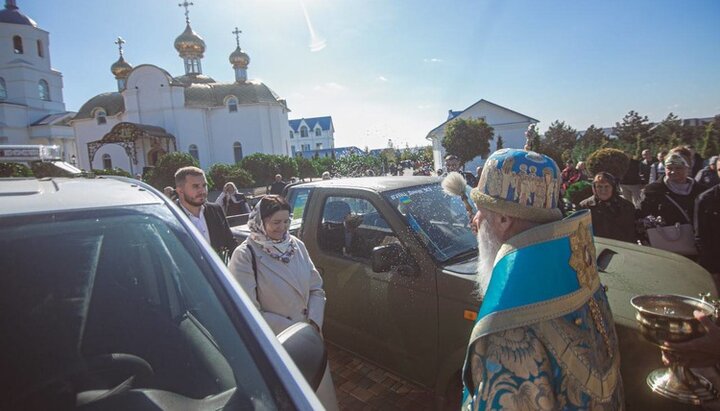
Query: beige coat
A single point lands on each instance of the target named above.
(286, 293)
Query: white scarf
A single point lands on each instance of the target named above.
(281, 250)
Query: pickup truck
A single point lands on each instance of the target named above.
(399, 280)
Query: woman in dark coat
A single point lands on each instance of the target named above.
(612, 216)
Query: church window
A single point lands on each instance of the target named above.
(237, 151)
(292, 135)
(107, 162)
(44, 90)
(100, 116)
(193, 149)
(40, 49)
(303, 131)
(318, 132)
(3, 89)
(17, 45)
(232, 104)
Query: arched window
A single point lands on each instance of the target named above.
(232, 104)
(100, 116)
(17, 45)
(44, 90)
(303, 131)
(237, 151)
(41, 53)
(193, 149)
(3, 89)
(107, 161)
(318, 132)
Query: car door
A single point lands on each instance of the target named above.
(389, 318)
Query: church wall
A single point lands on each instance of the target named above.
(88, 130)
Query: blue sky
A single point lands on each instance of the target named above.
(393, 68)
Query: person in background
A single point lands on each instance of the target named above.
(696, 161)
(645, 166)
(208, 218)
(520, 354)
(275, 270)
(277, 187)
(569, 175)
(231, 201)
(657, 171)
(673, 198)
(612, 216)
(326, 175)
(631, 184)
(708, 176)
(452, 163)
(169, 192)
(707, 227)
(583, 170)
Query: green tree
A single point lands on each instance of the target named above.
(611, 160)
(499, 144)
(323, 164)
(306, 168)
(468, 138)
(355, 165)
(163, 174)
(15, 170)
(532, 137)
(710, 144)
(220, 174)
(632, 126)
(263, 167)
(667, 131)
(112, 172)
(593, 139)
(560, 136)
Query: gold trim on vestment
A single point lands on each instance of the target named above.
(536, 214)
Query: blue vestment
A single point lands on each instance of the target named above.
(545, 337)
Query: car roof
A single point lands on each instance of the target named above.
(379, 184)
(29, 195)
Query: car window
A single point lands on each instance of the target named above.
(297, 198)
(352, 227)
(79, 286)
(439, 220)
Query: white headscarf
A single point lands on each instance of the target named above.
(281, 250)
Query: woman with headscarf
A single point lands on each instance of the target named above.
(232, 202)
(673, 198)
(275, 270)
(612, 216)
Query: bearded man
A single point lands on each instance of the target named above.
(208, 218)
(545, 337)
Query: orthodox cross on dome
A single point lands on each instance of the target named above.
(120, 43)
(186, 4)
(237, 32)
(10, 4)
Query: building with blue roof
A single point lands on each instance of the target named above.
(311, 135)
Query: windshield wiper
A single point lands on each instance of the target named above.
(472, 252)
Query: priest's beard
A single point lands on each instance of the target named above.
(488, 247)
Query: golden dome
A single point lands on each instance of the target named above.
(121, 68)
(239, 59)
(189, 44)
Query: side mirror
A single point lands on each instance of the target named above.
(384, 257)
(307, 349)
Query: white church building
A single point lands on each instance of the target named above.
(32, 110)
(507, 123)
(153, 113)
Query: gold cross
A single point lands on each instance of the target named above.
(120, 43)
(186, 4)
(237, 32)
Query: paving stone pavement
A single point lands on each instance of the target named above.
(362, 386)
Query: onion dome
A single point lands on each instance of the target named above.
(11, 14)
(239, 59)
(189, 43)
(121, 68)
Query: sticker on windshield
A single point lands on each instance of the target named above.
(405, 200)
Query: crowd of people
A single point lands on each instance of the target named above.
(658, 203)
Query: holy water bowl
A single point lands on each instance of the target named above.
(669, 318)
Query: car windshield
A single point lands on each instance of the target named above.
(79, 286)
(438, 219)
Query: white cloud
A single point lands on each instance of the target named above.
(383, 78)
(433, 60)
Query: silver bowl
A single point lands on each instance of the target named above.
(669, 318)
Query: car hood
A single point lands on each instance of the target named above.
(467, 267)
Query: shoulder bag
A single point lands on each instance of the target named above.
(678, 238)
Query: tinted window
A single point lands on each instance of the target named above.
(78, 286)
